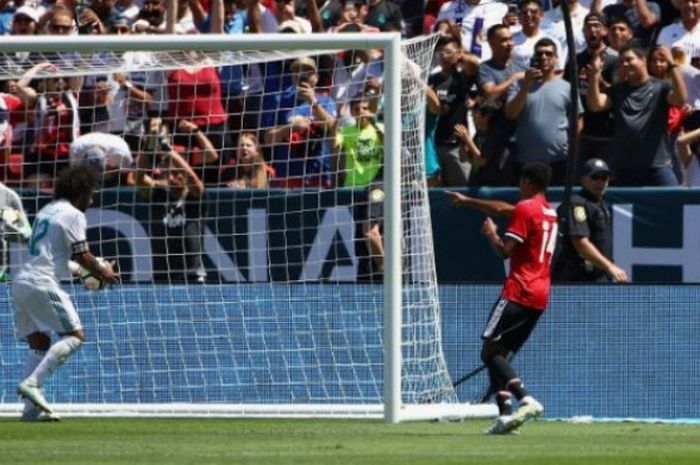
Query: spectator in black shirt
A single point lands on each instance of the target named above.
(452, 84)
(642, 15)
(177, 209)
(596, 138)
(640, 103)
(620, 33)
(585, 245)
(384, 15)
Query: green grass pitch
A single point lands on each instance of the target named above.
(326, 442)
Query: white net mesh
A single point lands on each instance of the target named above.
(248, 233)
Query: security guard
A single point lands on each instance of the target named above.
(585, 238)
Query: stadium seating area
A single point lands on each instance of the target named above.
(330, 134)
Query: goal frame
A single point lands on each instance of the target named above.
(393, 409)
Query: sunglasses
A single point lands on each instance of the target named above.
(61, 27)
(544, 53)
(600, 177)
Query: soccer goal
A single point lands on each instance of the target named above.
(276, 298)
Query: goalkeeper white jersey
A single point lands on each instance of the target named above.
(58, 232)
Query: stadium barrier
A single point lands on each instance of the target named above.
(605, 351)
(655, 235)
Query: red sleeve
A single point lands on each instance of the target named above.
(676, 117)
(12, 101)
(518, 226)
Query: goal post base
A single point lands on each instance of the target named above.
(337, 411)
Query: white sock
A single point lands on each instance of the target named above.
(55, 357)
(35, 357)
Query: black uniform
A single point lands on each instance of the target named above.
(587, 217)
(179, 222)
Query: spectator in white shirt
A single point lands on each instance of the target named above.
(475, 18)
(683, 37)
(530, 18)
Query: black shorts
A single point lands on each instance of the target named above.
(510, 324)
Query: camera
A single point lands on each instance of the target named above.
(535, 62)
(304, 76)
(164, 142)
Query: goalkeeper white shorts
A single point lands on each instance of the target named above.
(42, 309)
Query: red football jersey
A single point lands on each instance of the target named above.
(534, 225)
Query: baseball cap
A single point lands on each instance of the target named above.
(292, 26)
(29, 12)
(596, 17)
(595, 166)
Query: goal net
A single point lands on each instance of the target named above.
(258, 256)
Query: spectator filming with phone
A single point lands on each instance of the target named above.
(539, 105)
(302, 117)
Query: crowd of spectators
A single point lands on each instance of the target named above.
(638, 73)
(497, 96)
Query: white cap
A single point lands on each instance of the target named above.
(29, 12)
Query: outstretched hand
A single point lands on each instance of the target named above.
(457, 199)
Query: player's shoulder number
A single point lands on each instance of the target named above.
(39, 231)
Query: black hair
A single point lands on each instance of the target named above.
(350, 27)
(546, 42)
(75, 182)
(493, 30)
(638, 50)
(619, 19)
(360, 97)
(450, 39)
(488, 107)
(524, 3)
(538, 174)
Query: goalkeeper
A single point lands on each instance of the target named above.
(13, 223)
(177, 195)
(40, 305)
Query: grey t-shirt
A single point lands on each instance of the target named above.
(641, 116)
(541, 129)
(500, 128)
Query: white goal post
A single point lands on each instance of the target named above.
(440, 399)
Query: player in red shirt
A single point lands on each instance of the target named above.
(529, 243)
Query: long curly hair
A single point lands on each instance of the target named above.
(76, 182)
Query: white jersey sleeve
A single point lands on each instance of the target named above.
(75, 232)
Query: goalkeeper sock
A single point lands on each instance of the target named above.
(35, 357)
(516, 387)
(505, 403)
(58, 353)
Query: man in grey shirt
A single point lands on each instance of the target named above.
(539, 104)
